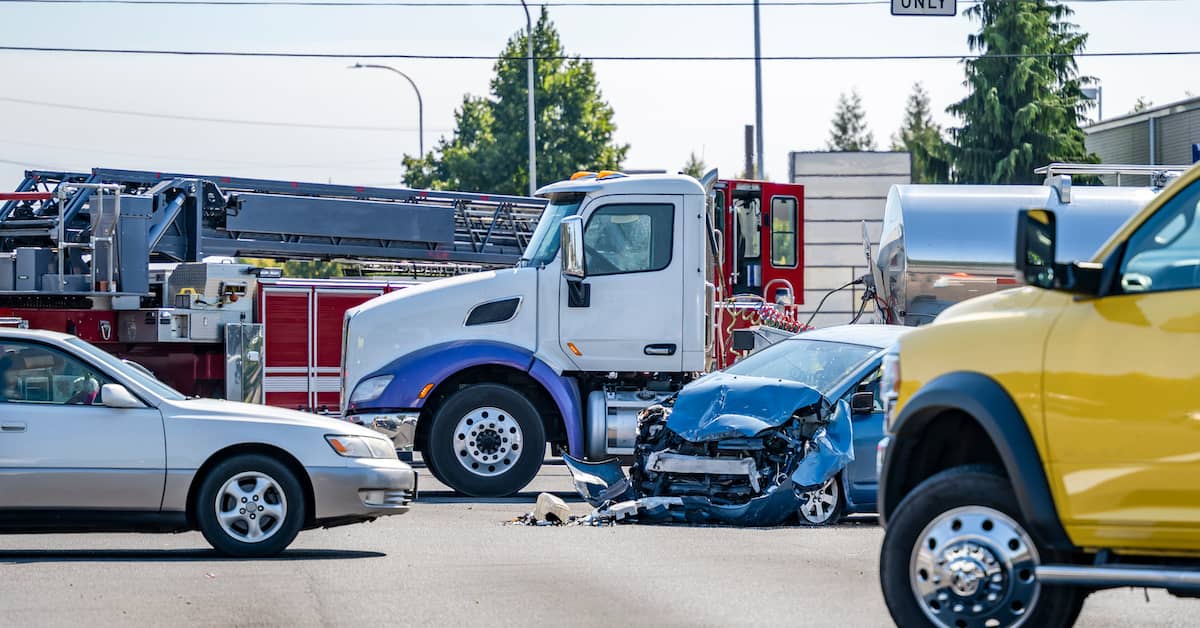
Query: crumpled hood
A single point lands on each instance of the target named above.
(722, 406)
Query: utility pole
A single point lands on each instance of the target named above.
(758, 101)
(749, 152)
(529, 88)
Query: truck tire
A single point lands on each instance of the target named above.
(486, 440)
(945, 546)
(250, 505)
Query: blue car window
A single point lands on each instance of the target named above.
(817, 363)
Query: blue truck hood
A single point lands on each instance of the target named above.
(722, 406)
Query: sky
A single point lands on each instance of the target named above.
(57, 109)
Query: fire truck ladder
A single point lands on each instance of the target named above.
(187, 217)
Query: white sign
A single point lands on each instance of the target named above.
(925, 7)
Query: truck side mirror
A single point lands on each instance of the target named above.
(1036, 250)
(571, 235)
(1036, 234)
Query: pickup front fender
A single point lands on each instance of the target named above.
(912, 455)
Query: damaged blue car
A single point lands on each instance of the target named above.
(727, 449)
(752, 445)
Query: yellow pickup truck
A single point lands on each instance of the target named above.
(1044, 442)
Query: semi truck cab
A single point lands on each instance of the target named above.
(609, 310)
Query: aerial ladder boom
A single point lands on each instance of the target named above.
(172, 217)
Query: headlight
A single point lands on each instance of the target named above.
(889, 385)
(361, 447)
(370, 389)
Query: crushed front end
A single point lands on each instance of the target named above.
(727, 449)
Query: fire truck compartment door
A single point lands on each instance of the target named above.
(630, 316)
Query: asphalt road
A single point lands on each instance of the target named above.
(452, 561)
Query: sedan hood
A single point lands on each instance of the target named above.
(724, 406)
(220, 410)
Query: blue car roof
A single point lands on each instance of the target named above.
(880, 336)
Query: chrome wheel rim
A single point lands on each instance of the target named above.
(818, 505)
(487, 441)
(974, 566)
(251, 507)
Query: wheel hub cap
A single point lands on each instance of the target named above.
(251, 507)
(817, 505)
(487, 441)
(974, 566)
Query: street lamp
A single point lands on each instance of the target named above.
(758, 99)
(1096, 94)
(529, 88)
(420, 105)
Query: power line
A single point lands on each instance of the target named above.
(436, 57)
(170, 116)
(362, 164)
(499, 4)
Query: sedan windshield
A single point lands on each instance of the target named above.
(116, 364)
(817, 363)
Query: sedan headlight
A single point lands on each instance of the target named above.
(370, 389)
(889, 386)
(361, 447)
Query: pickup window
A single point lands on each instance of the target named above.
(1164, 253)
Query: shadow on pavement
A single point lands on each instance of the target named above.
(17, 557)
(450, 497)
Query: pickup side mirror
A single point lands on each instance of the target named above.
(862, 403)
(1036, 246)
(118, 396)
(1037, 234)
(571, 235)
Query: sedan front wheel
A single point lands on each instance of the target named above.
(250, 505)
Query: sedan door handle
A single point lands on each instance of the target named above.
(11, 427)
(659, 349)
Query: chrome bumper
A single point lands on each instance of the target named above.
(364, 488)
(400, 427)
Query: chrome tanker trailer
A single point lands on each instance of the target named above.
(942, 244)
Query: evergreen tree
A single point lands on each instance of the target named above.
(849, 132)
(695, 166)
(922, 138)
(488, 152)
(1021, 111)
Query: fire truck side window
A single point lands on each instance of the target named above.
(783, 232)
(629, 239)
(32, 373)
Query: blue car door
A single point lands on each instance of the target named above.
(868, 429)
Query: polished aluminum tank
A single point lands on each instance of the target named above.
(942, 244)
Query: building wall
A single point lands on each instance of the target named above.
(841, 191)
(1126, 139)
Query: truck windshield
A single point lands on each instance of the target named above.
(543, 246)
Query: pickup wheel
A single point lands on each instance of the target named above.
(956, 553)
(486, 440)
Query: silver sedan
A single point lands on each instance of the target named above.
(89, 443)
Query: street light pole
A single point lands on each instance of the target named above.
(530, 112)
(420, 104)
(758, 102)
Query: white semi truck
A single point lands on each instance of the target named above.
(480, 372)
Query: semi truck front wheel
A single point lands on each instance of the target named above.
(486, 440)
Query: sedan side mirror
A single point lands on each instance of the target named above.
(862, 403)
(571, 235)
(118, 396)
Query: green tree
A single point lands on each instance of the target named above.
(488, 152)
(300, 269)
(695, 166)
(922, 138)
(850, 132)
(1141, 105)
(1021, 111)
